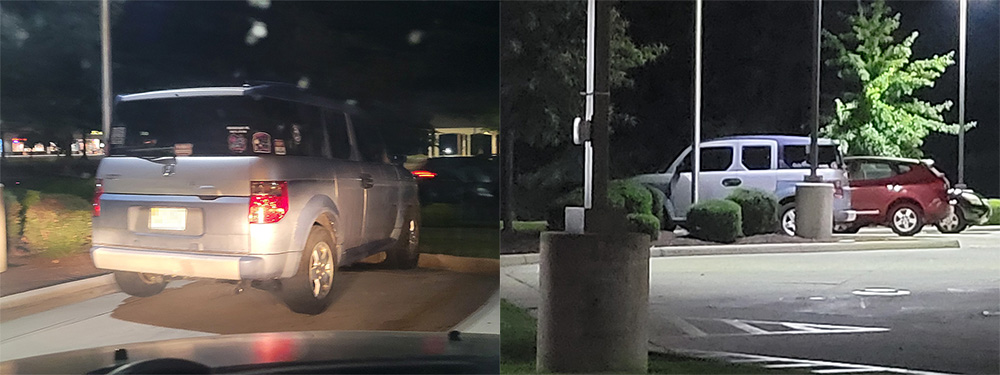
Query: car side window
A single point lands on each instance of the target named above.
(756, 158)
(713, 159)
(875, 171)
(336, 132)
(370, 142)
(903, 168)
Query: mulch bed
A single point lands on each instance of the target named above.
(527, 242)
(28, 272)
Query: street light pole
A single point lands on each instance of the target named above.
(696, 150)
(963, 16)
(106, 72)
(817, 56)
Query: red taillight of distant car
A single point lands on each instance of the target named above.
(268, 201)
(424, 174)
(98, 191)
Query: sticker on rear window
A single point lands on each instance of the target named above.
(261, 143)
(296, 134)
(118, 135)
(279, 146)
(236, 129)
(183, 149)
(237, 143)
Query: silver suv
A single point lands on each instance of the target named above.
(251, 184)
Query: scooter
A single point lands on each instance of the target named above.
(968, 208)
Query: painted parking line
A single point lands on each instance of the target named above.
(708, 327)
(814, 366)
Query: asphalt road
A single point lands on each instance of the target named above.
(946, 317)
(366, 298)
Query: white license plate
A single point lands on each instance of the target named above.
(163, 218)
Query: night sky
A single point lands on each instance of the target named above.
(757, 56)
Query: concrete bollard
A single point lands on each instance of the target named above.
(814, 210)
(3, 232)
(594, 312)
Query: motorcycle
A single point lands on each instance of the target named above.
(969, 208)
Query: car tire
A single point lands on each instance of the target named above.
(405, 253)
(906, 219)
(846, 228)
(786, 212)
(140, 284)
(311, 289)
(956, 223)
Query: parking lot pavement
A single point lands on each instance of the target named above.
(976, 236)
(366, 298)
(938, 311)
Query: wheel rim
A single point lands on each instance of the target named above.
(788, 222)
(905, 219)
(321, 269)
(950, 222)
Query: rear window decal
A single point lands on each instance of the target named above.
(279, 146)
(237, 143)
(261, 143)
(296, 134)
(183, 149)
(238, 129)
(118, 135)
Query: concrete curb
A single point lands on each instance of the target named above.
(459, 264)
(679, 251)
(486, 319)
(101, 285)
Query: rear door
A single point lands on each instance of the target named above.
(178, 174)
(872, 188)
(348, 192)
(758, 163)
(716, 162)
(380, 181)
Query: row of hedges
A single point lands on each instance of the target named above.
(995, 216)
(51, 224)
(745, 212)
(636, 199)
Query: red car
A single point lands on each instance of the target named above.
(903, 194)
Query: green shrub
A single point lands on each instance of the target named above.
(57, 224)
(658, 198)
(644, 223)
(717, 220)
(634, 197)
(995, 215)
(12, 212)
(759, 210)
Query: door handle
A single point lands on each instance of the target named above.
(730, 182)
(367, 181)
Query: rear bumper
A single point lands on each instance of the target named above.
(845, 216)
(225, 267)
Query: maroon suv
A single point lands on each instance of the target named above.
(903, 194)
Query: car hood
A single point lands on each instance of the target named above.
(261, 349)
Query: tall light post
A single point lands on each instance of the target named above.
(106, 72)
(696, 150)
(962, 19)
(817, 56)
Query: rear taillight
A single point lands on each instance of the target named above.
(268, 201)
(98, 191)
(424, 174)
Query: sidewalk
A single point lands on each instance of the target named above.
(26, 273)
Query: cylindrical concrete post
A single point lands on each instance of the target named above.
(595, 303)
(814, 210)
(3, 232)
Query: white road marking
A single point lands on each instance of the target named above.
(688, 328)
(745, 327)
(821, 367)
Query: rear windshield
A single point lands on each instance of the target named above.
(216, 126)
(798, 157)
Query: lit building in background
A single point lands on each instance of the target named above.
(455, 136)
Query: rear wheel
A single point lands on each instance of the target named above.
(140, 284)
(906, 219)
(405, 253)
(309, 291)
(846, 228)
(786, 222)
(954, 223)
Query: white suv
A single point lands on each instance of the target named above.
(772, 163)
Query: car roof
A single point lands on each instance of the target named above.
(271, 90)
(783, 140)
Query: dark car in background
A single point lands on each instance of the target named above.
(469, 184)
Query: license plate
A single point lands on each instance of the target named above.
(164, 218)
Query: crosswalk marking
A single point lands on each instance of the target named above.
(696, 327)
(814, 366)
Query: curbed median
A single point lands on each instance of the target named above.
(508, 260)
